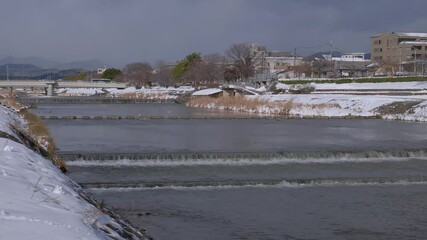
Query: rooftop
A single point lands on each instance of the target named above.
(406, 34)
(414, 42)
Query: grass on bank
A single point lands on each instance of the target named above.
(359, 80)
(258, 106)
(39, 130)
(38, 133)
(242, 104)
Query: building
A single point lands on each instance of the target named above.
(351, 65)
(265, 61)
(406, 51)
(258, 53)
(281, 60)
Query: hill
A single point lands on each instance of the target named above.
(87, 65)
(29, 71)
(36, 61)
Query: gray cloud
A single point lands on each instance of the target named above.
(119, 32)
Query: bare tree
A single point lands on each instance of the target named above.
(242, 61)
(320, 66)
(209, 70)
(390, 67)
(215, 58)
(204, 72)
(163, 74)
(139, 74)
(303, 68)
(239, 52)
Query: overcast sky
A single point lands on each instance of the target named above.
(122, 31)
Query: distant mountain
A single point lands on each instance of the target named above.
(90, 65)
(58, 74)
(36, 61)
(19, 67)
(87, 65)
(19, 70)
(29, 71)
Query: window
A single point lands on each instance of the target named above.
(378, 50)
(377, 42)
(406, 40)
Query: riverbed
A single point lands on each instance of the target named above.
(251, 179)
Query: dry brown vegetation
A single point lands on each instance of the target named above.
(255, 105)
(37, 129)
(8, 92)
(10, 102)
(38, 132)
(240, 103)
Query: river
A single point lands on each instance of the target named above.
(246, 178)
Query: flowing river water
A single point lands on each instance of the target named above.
(247, 178)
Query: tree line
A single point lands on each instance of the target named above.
(195, 69)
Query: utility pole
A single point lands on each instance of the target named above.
(7, 72)
(295, 57)
(330, 54)
(400, 59)
(415, 62)
(423, 66)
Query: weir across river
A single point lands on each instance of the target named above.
(330, 155)
(254, 117)
(88, 100)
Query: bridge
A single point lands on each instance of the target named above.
(49, 85)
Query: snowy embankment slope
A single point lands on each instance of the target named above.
(412, 108)
(37, 201)
(376, 86)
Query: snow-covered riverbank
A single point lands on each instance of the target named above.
(395, 100)
(37, 201)
(412, 108)
(130, 92)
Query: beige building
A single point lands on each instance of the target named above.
(265, 61)
(399, 48)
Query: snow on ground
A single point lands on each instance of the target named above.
(79, 91)
(37, 201)
(419, 113)
(207, 92)
(336, 105)
(361, 86)
(385, 85)
(151, 93)
(146, 93)
(8, 116)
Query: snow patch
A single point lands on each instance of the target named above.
(207, 92)
(7, 148)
